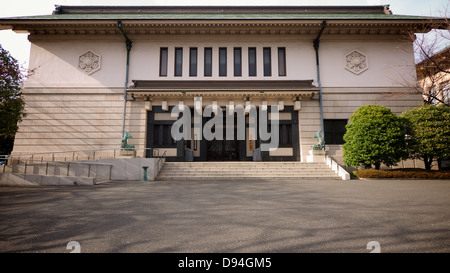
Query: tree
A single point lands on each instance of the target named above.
(432, 52)
(374, 136)
(11, 101)
(429, 128)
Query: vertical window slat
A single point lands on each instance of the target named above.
(208, 62)
(252, 61)
(178, 61)
(163, 57)
(267, 61)
(237, 61)
(193, 61)
(222, 61)
(281, 61)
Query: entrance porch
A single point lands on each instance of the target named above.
(228, 143)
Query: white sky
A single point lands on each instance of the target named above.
(19, 47)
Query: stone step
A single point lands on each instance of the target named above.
(244, 174)
(240, 169)
(245, 170)
(276, 163)
(247, 166)
(273, 178)
(165, 172)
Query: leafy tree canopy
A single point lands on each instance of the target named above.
(429, 128)
(11, 101)
(374, 136)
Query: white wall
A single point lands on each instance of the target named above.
(56, 64)
(56, 61)
(390, 64)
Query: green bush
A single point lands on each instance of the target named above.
(374, 136)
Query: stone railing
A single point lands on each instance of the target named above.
(321, 156)
(337, 168)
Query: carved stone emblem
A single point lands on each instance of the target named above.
(89, 62)
(356, 62)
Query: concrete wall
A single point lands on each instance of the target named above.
(19, 180)
(78, 173)
(130, 169)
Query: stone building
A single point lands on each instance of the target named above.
(433, 75)
(102, 71)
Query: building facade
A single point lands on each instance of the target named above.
(99, 72)
(433, 75)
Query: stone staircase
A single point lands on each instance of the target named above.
(245, 171)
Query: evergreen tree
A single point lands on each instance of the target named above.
(429, 130)
(374, 136)
(11, 101)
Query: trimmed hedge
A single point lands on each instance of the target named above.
(403, 174)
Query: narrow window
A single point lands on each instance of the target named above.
(178, 61)
(208, 61)
(267, 62)
(237, 61)
(193, 61)
(222, 61)
(281, 61)
(163, 62)
(252, 61)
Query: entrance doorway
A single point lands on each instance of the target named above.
(224, 150)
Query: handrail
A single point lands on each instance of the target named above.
(158, 163)
(162, 156)
(79, 151)
(53, 155)
(54, 164)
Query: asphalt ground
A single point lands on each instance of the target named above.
(296, 216)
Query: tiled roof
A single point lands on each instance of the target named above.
(220, 13)
(188, 16)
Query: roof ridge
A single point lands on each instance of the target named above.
(347, 9)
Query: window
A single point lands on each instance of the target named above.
(163, 62)
(222, 61)
(281, 61)
(285, 132)
(334, 131)
(445, 89)
(208, 61)
(252, 61)
(162, 136)
(178, 61)
(432, 94)
(237, 61)
(267, 61)
(193, 61)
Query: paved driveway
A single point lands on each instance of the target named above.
(232, 216)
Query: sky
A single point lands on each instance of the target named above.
(19, 47)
